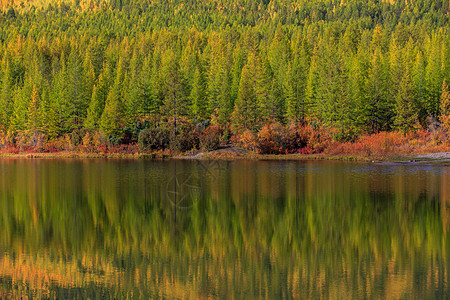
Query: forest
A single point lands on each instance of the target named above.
(278, 76)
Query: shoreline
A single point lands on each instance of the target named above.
(235, 153)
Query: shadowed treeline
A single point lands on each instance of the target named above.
(114, 229)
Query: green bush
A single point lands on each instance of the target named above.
(154, 139)
(184, 141)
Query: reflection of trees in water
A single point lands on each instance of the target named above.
(259, 229)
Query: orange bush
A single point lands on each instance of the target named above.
(272, 139)
(210, 138)
(245, 140)
(314, 138)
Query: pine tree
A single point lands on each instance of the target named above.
(49, 118)
(18, 120)
(175, 98)
(445, 109)
(433, 77)
(77, 90)
(378, 108)
(146, 101)
(297, 105)
(275, 105)
(112, 122)
(96, 106)
(312, 86)
(34, 120)
(263, 77)
(198, 95)
(157, 86)
(61, 96)
(5, 95)
(245, 111)
(406, 113)
(88, 84)
(132, 95)
(419, 87)
(219, 84)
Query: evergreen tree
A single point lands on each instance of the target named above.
(77, 88)
(132, 95)
(198, 95)
(61, 95)
(297, 106)
(33, 115)
(175, 98)
(147, 103)
(5, 95)
(420, 92)
(445, 108)
(48, 115)
(245, 111)
(112, 119)
(378, 108)
(433, 77)
(97, 104)
(312, 86)
(19, 115)
(406, 113)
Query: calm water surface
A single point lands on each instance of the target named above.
(244, 229)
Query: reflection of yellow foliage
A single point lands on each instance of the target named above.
(316, 240)
(398, 286)
(41, 272)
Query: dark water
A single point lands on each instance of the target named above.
(245, 229)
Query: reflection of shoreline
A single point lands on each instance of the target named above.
(230, 154)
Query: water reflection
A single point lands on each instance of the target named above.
(186, 229)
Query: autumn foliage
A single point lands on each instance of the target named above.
(385, 144)
(276, 138)
(272, 138)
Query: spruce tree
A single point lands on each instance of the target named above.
(433, 77)
(34, 120)
(198, 99)
(48, 114)
(112, 122)
(379, 106)
(96, 106)
(312, 93)
(245, 111)
(445, 109)
(406, 112)
(175, 98)
(5, 95)
(418, 77)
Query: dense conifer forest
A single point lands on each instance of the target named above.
(273, 76)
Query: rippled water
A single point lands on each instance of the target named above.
(208, 229)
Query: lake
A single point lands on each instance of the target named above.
(180, 229)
